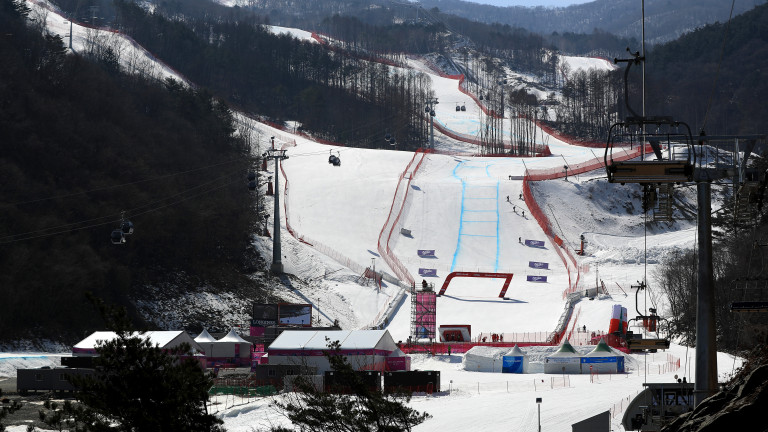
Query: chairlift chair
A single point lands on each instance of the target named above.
(463, 107)
(458, 108)
(672, 169)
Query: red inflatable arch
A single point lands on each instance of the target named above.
(506, 276)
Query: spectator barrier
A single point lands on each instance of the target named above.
(325, 249)
(393, 219)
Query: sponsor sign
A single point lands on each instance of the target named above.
(264, 315)
(563, 360)
(427, 272)
(426, 253)
(538, 265)
(532, 278)
(535, 243)
(599, 359)
(512, 364)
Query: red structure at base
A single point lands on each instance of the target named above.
(506, 276)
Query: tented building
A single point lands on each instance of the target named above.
(206, 342)
(230, 349)
(482, 358)
(602, 360)
(364, 349)
(164, 339)
(564, 361)
(515, 361)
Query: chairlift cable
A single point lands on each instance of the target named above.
(65, 228)
(125, 184)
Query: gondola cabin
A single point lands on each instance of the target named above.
(117, 237)
(126, 227)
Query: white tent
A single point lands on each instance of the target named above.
(364, 349)
(484, 358)
(206, 341)
(602, 359)
(231, 346)
(515, 361)
(565, 360)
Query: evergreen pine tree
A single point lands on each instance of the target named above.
(358, 408)
(138, 386)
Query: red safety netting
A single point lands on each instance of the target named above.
(325, 249)
(462, 88)
(388, 58)
(393, 220)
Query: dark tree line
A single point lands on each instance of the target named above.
(688, 79)
(592, 101)
(81, 143)
(665, 20)
(737, 277)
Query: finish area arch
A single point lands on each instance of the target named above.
(506, 276)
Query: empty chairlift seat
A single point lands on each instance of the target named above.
(671, 167)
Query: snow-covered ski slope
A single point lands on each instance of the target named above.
(133, 58)
(467, 209)
(464, 208)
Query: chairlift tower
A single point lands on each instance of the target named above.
(677, 170)
(277, 263)
(430, 110)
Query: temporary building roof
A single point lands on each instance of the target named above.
(205, 337)
(232, 336)
(566, 350)
(515, 352)
(316, 340)
(397, 353)
(601, 350)
(164, 339)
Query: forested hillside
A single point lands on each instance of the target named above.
(665, 20)
(333, 94)
(714, 78)
(82, 143)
